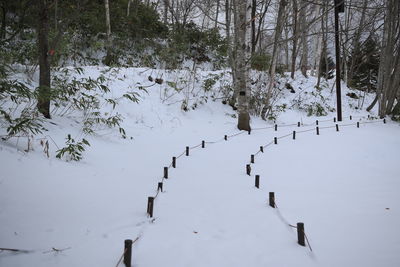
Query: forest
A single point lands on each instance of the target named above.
(266, 37)
(256, 133)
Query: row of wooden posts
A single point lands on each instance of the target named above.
(300, 225)
(150, 201)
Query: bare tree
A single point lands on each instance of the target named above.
(272, 70)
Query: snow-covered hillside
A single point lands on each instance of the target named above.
(343, 185)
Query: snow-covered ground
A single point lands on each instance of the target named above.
(343, 185)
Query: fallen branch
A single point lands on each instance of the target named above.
(56, 250)
(15, 250)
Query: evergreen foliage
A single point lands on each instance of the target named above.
(366, 69)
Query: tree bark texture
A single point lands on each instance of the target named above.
(242, 50)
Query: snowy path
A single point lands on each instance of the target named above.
(212, 215)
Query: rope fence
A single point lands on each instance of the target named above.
(300, 226)
(302, 237)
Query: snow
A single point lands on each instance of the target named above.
(343, 185)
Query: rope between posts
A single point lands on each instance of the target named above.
(125, 250)
(327, 127)
(293, 226)
(308, 243)
(287, 125)
(284, 136)
(193, 147)
(304, 131)
(239, 133)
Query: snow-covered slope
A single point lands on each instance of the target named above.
(342, 185)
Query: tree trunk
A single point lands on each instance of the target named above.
(253, 26)
(304, 39)
(217, 15)
(386, 89)
(317, 41)
(3, 20)
(109, 57)
(44, 95)
(242, 50)
(165, 13)
(356, 43)
(295, 37)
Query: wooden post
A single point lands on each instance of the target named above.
(187, 151)
(262, 149)
(384, 120)
(160, 186)
(334, 119)
(300, 234)
(294, 135)
(203, 144)
(252, 159)
(298, 124)
(225, 137)
(276, 127)
(358, 124)
(174, 162)
(128, 253)
(257, 181)
(248, 169)
(337, 127)
(166, 172)
(317, 130)
(316, 122)
(275, 140)
(351, 117)
(272, 199)
(150, 204)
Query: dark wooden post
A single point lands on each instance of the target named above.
(248, 169)
(276, 127)
(334, 119)
(150, 204)
(351, 117)
(358, 124)
(384, 120)
(262, 149)
(272, 199)
(257, 181)
(298, 124)
(128, 253)
(317, 128)
(337, 127)
(275, 140)
(166, 172)
(300, 234)
(252, 159)
(174, 162)
(294, 135)
(203, 144)
(187, 151)
(160, 186)
(225, 137)
(316, 122)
